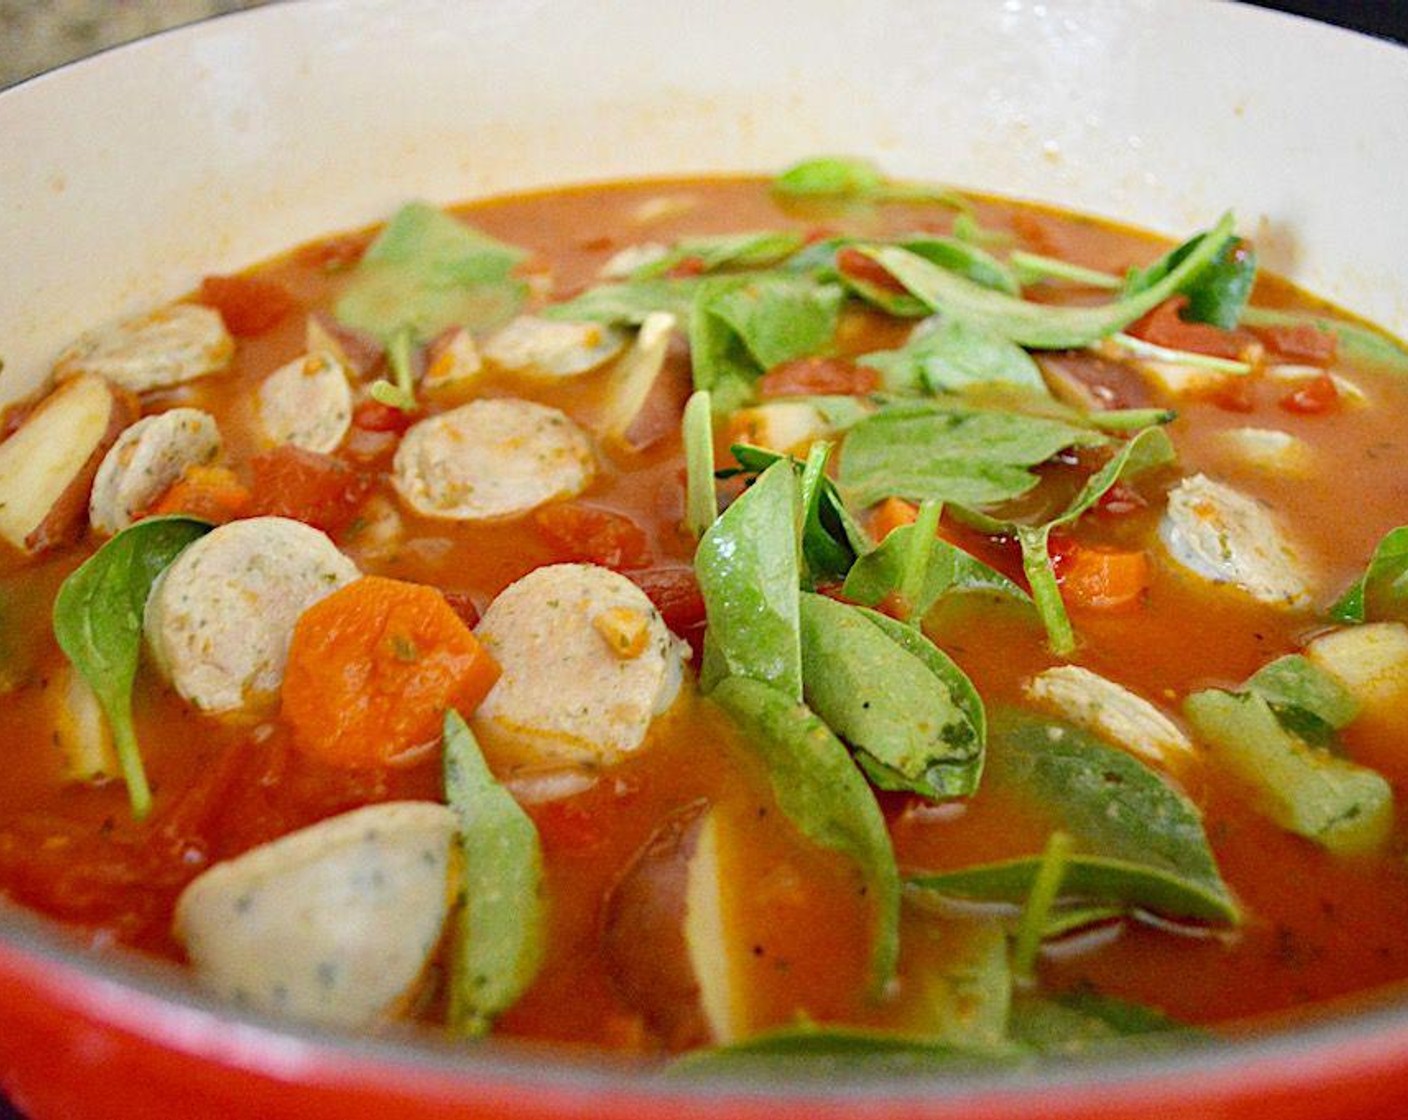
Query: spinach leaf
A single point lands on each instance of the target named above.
(829, 1052)
(958, 972)
(964, 258)
(1216, 294)
(701, 500)
(1307, 700)
(1137, 840)
(950, 453)
(741, 326)
(1036, 325)
(731, 250)
(1040, 904)
(627, 303)
(852, 179)
(1342, 806)
(748, 574)
(1077, 1023)
(98, 624)
(500, 922)
(427, 271)
(950, 357)
(820, 790)
(915, 721)
(882, 572)
(1357, 342)
(1031, 268)
(1381, 593)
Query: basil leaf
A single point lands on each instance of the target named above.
(952, 356)
(98, 624)
(1359, 343)
(1076, 1023)
(1343, 807)
(911, 731)
(731, 250)
(742, 326)
(1381, 593)
(950, 453)
(820, 790)
(748, 574)
(1307, 700)
(501, 920)
(627, 303)
(879, 574)
(1138, 840)
(1036, 325)
(427, 271)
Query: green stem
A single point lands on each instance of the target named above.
(1040, 899)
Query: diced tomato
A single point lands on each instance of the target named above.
(373, 416)
(675, 593)
(855, 264)
(1231, 394)
(1096, 578)
(687, 267)
(587, 535)
(1165, 326)
(889, 515)
(249, 305)
(809, 376)
(306, 486)
(567, 826)
(462, 603)
(1301, 342)
(334, 254)
(1316, 396)
(213, 494)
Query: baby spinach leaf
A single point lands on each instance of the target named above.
(852, 179)
(964, 258)
(1031, 268)
(1357, 342)
(950, 357)
(881, 573)
(500, 922)
(1216, 294)
(820, 790)
(98, 624)
(1307, 700)
(732, 250)
(829, 1052)
(427, 271)
(910, 730)
(1137, 840)
(626, 304)
(1340, 805)
(701, 500)
(958, 971)
(748, 574)
(1381, 593)
(950, 453)
(1080, 1022)
(1036, 325)
(1040, 904)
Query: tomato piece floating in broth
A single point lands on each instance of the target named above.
(307, 486)
(249, 305)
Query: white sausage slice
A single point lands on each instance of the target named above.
(587, 663)
(333, 923)
(220, 619)
(1224, 536)
(554, 347)
(307, 403)
(146, 459)
(168, 346)
(490, 459)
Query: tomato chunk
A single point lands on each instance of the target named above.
(855, 264)
(1165, 326)
(307, 486)
(816, 376)
(1302, 342)
(213, 494)
(248, 304)
(588, 535)
(1314, 397)
(675, 593)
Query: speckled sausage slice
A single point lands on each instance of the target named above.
(168, 346)
(220, 619)
(587, 663)
(490, 459)
(1224, 536)
(307, 403)
(146, 459)
(333, 923)
(553, 347)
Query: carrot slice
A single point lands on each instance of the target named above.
(372, 669)
(213, 494)
(1101, 579)
(889, 515)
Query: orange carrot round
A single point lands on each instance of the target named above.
(373, 667)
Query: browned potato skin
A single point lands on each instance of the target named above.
(644, 932)
(67, 517)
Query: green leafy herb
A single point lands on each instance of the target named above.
(1137, 840)
(914, 720)
(820, 790)
(1033, 267)
(628, 303)
(732, 250)
(401, 393)
(701, 502)
(98, 624)
(1217, 293)
(742, 326)
(1078, 1023)
(952, 356)
(1381, 593)
(1307, 700)
(500, 923)
(951, 453)
(1344, 807)
(851, 179)
(959, 971)
(1141, 349)
(427, 271)
(748, 574)
(1036, 325)
(1041, 900)
(830, 1052)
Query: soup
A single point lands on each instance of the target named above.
(722, 615)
